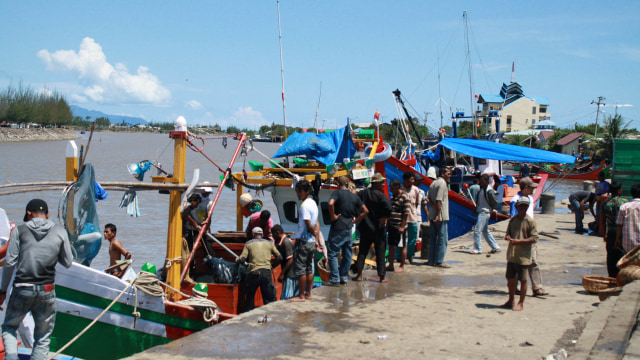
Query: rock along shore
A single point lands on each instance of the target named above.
(36, 134)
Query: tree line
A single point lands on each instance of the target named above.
(22, 105)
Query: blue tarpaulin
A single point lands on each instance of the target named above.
(497, 151)
(327, 148)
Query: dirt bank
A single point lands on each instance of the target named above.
(424, 313)
(39, 134)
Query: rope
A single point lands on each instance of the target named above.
(169, 262)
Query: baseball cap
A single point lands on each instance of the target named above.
(523, 200)
(245, 199)
(526, 181)
(37, 206)
(256, 230)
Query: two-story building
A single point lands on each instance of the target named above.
(512, 108)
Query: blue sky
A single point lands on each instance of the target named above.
(219, 61)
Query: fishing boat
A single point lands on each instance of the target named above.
(591, 174)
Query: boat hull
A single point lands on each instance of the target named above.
(591, 175)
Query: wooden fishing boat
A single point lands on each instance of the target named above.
(588, 175)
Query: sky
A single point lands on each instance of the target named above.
(218, 62)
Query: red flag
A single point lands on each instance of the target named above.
(376, 116)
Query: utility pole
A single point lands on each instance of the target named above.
(600, 103)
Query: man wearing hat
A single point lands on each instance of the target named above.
(373, 227)
(34, 250)
(521, 234)
(253, 210)
(527, 187)
(257, 252)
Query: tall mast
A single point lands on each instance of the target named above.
(439, 93)
(466, 35)
(284, 107)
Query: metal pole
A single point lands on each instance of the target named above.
(600, 99)
(284, 107)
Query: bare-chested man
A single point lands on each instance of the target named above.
(116, 250)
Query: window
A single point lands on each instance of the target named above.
(533, 111)
(533, 121)
(509, 120)
(291, 211)
(543, 109)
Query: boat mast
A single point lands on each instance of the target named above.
(466, 35)
(439, 93)
(315, 122)
(284, 107)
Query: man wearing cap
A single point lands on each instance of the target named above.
(527, 187)
(373, 227)
(257, 252)
(345, 210)
(521, 234)
(253, 210)
(34, 250)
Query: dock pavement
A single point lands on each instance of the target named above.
(438, 313)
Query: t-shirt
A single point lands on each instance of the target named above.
(513, 211)
(473, 190)
(308, 211)
(286, 250)
(399, 206)
(254, 221)
(414, 198)
(258, 253)
(610, 209)
(378, 205)
(521, 228)
(602, 187)
(439, 191)
(348, 205)
(579, 195)
(500, 195)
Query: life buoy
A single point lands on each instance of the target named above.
(382, 153)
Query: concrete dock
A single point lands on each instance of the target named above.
(437, 313)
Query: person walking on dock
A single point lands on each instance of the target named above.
(485, 203)
(34, 250)
(628, 232)
(345, 210)
(438, 198)
(373, 227)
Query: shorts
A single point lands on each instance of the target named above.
(395, 237)
(517, 271)
(303, 255)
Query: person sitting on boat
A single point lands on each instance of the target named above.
(524, 170)
(285, 247)
(191, 225)
(34, 250)
(116, 250)
(577, 200)
(257, 252)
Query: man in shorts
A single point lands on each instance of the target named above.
(521, 234)
(397, 224)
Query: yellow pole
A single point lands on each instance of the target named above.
(174, 236)
(239, 191)
(72, 161)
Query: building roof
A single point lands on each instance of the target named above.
(570, 138)
(540, 100)
(546, 133)
(526, 132)
(490, 98)
(545, 124)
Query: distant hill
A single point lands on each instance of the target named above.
(114, 119)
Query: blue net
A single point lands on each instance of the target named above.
(80, 218)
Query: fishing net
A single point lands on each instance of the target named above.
(80, 217)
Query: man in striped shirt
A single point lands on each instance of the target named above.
(628, 232)
(397, 224)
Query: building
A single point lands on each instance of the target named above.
(512, 109)
(571, 144)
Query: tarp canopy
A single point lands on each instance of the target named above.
(497, 151)
(327, 148)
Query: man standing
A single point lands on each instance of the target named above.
(577, 200)
(601, 188)
(257, 252)
(485, 203)
(34, 250)
(438, 198)
(411, 235)
(628, 232)
(372, 228)
(610, 210)
(285, 247)
(345, 210)
(527, 187)
(400, 207)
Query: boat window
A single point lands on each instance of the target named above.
(291, 211)
(326, 218)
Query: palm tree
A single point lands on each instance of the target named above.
(614, 128)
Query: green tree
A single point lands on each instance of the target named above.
(233, 130)
(615, 127)
(103, 122)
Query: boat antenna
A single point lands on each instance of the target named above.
(465, 16)
(315, 122)
(284, 107)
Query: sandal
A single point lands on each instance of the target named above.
(540, 292)
(445, 266)
(474, 252)
(494, 251)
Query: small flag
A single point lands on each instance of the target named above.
(376, 116)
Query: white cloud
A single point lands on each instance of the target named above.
(243, 117)
(193, 105)
(631, 53)
(103, 82)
